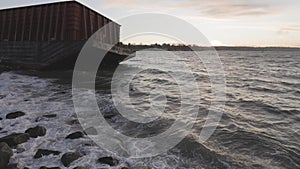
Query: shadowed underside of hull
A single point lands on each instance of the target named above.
(55, 55)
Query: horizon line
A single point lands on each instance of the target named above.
(233, 46)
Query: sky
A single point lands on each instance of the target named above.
(223, 22)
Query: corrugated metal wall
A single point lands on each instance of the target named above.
(57, 21)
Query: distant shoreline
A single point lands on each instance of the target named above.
(170, 47)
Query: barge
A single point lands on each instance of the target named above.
(50, 36)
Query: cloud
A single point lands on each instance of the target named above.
(219, 9)
(119, 3)
(289, 29)
(227, 9)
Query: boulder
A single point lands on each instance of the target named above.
(36, 131)
(44, 152)
(15, 115)
(5, 154)
(69, 157)
(75, 135)
(108, 160)
(15, 139)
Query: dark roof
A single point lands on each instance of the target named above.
(50, 3)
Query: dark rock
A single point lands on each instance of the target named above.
(49, 167)
(5, 154)
(0, 118)
(80, 167)
(12, 166)
(25, 168)
(68, 158)
(15, 139)
(90, 131)
(50, 115)
(75, 135)
(36, 131)
(43, 152)
(108, 160)
(15, 115)
(1, 128)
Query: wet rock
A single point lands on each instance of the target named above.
(15, 115)
(90, 131)
(50, 115)
(36, 131)
(80, 167)
(12, 166)
(108, 160)
(43, 167)
(5, 154)
(75, 135)
(44, 152)
(68, 158)
(15, 139)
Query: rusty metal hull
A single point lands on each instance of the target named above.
(42, 36)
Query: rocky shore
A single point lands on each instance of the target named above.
(13, 144)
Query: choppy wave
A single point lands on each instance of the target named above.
(259, 128)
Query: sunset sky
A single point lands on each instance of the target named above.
(223, 22)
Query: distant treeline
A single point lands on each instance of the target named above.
(181, 47)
